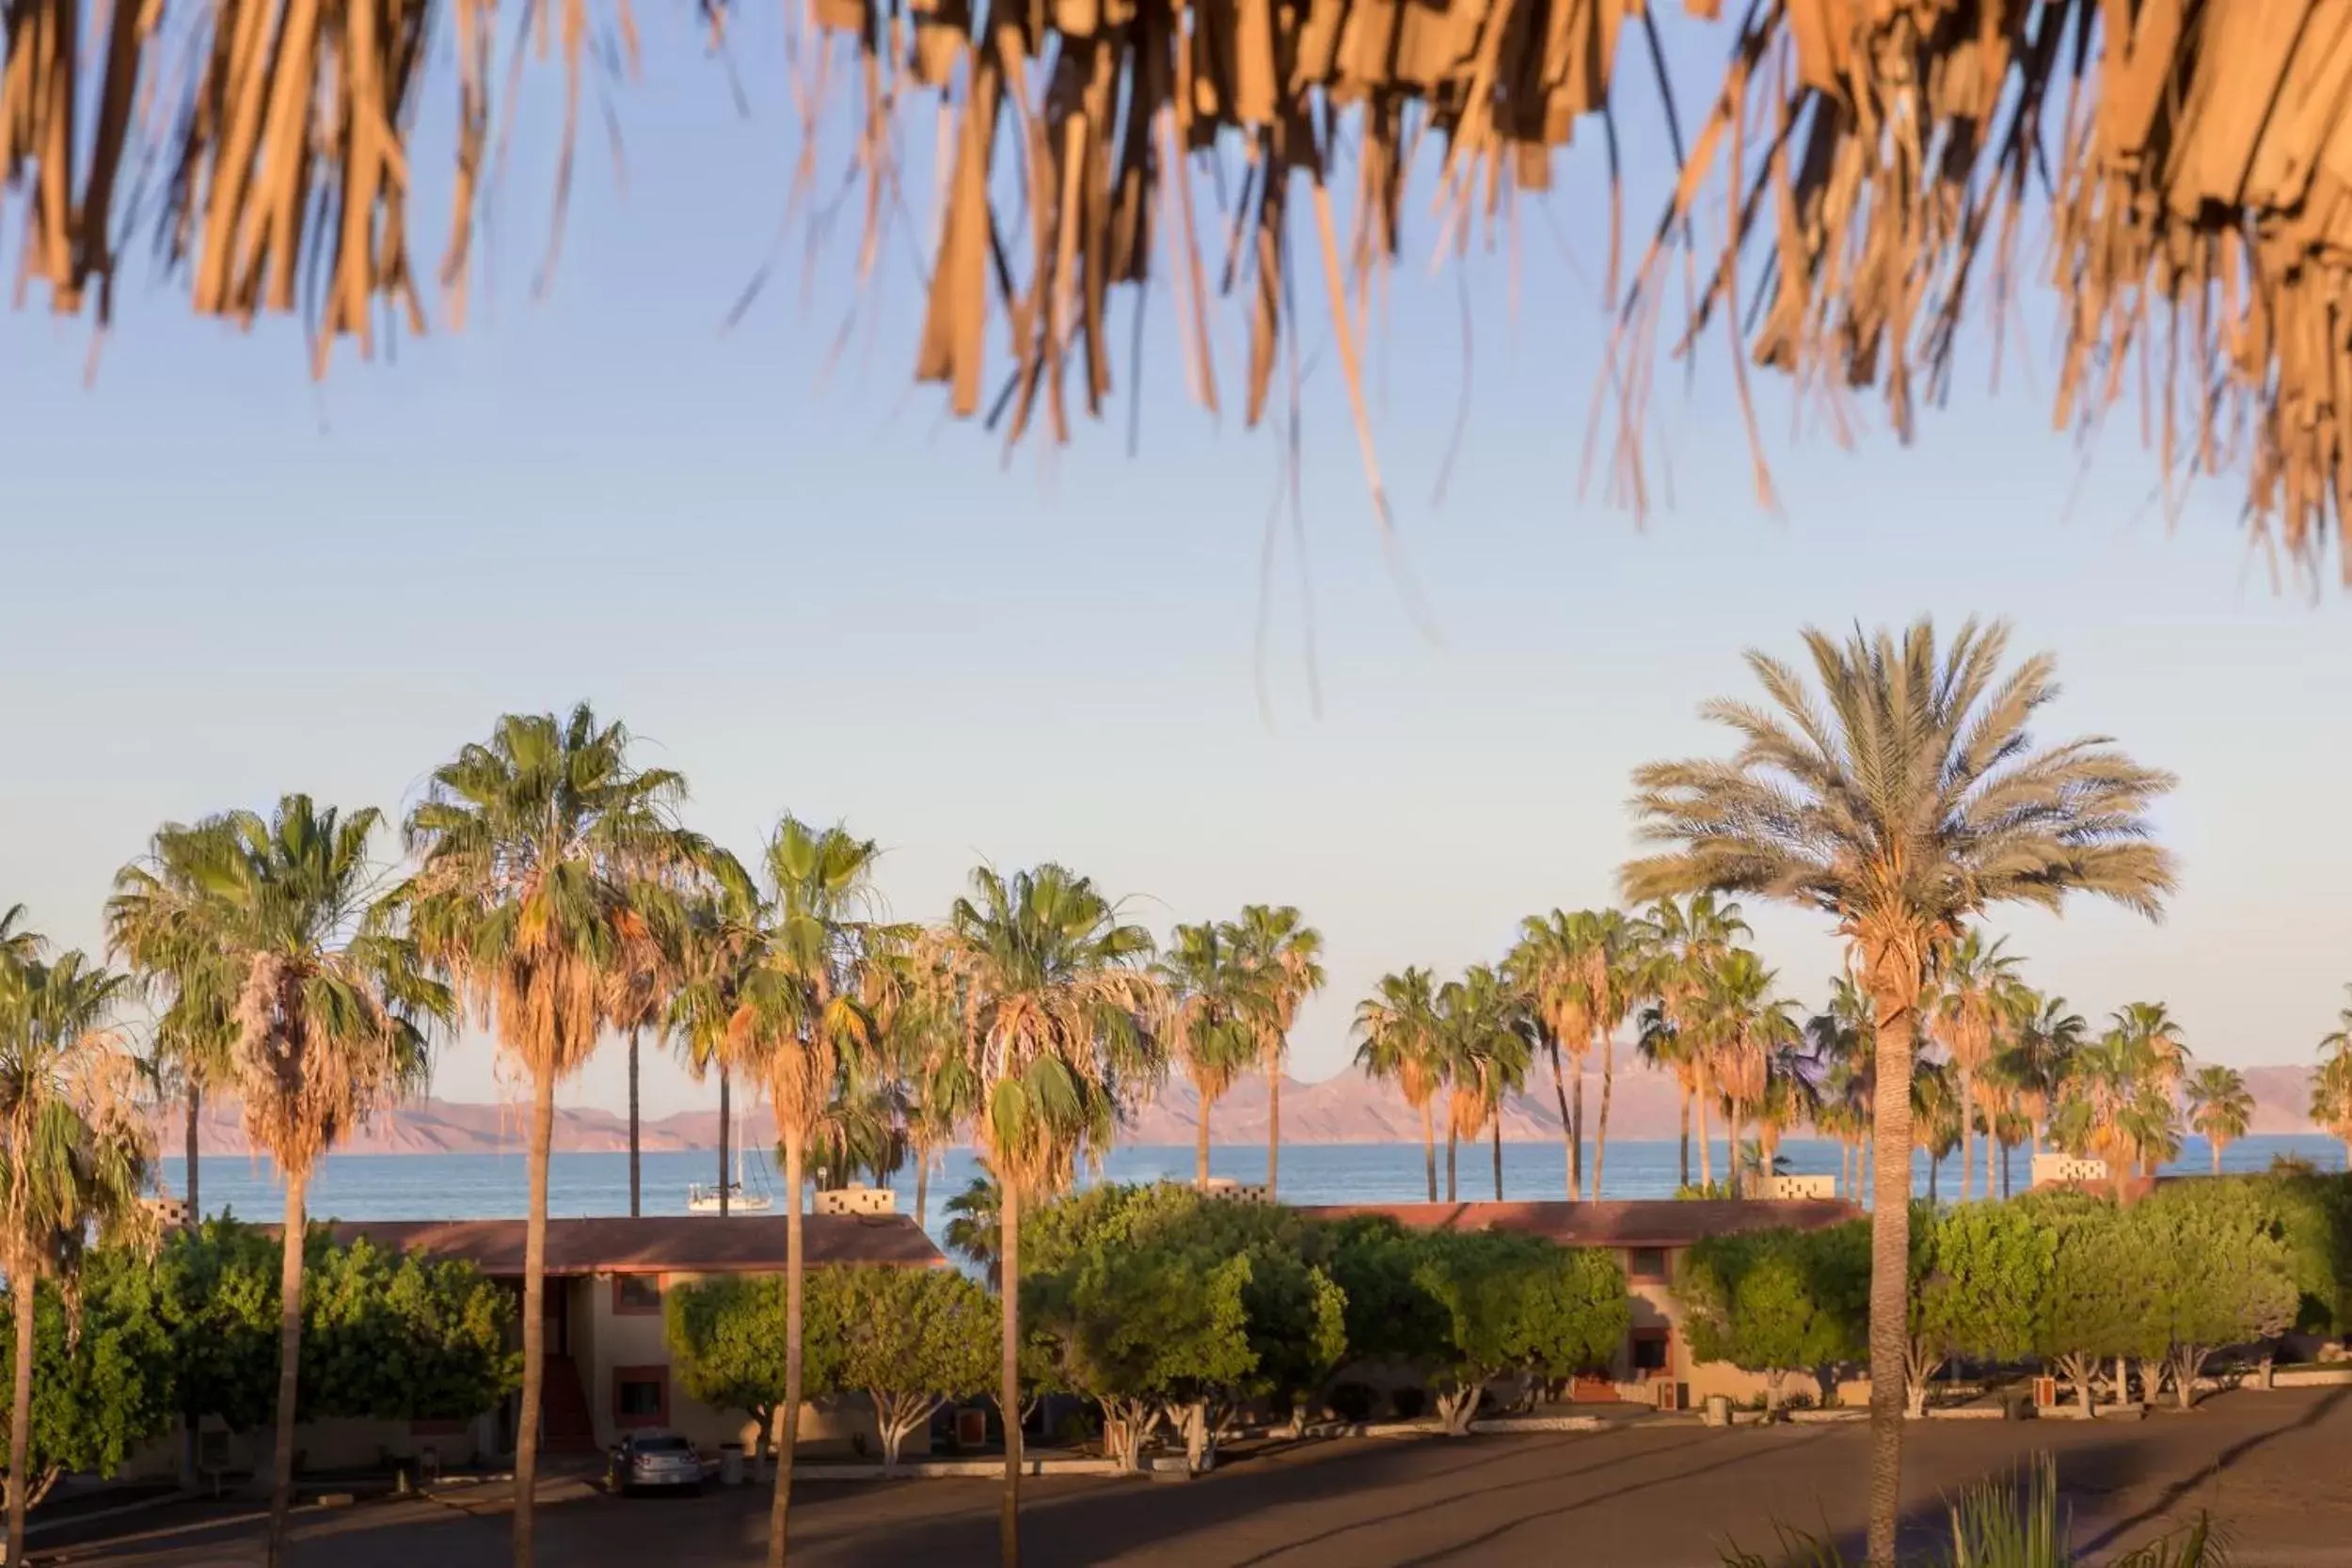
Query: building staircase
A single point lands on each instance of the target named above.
(565, 1426)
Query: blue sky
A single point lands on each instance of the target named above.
(814, 593)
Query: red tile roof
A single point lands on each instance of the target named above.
(1640, 1222)
(680, 1243)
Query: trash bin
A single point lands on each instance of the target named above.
(730, 1463)
(1719, 1410)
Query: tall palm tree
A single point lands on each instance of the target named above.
(1743, 1026)
(1487, 1049)
(538, 851)
(2118, 1094)
(1543, 964)
(76, 1154)
(1400, 1044)
(1935, 1116)
(332, 1019)
(1057, 1012)
(1693, 935)
(1287, 954)
(156, 922)
(2220, 1107)
(1977, 983)
(1208, 1028)
(802, 1019)
(1839, 1037)
(1664, 1048)
(2040, 1054)
(2332, 1086)
(644, 984)
(1901, 800)
(975, 1229)
(920, 1037)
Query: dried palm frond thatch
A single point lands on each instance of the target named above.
(2183, 167)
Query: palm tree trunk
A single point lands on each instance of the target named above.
(1575, 1134)
(1497, 1154)
(196, 1205)
(726, 1134)
(1600, 1133)
(1568, 1133)
(1273, 1122)
(922, 1188)
(1890, 1257)
(1731, 1158)
(1009, 1389)
(1429, 1150)
(1453, 1193)
(1706, 1153)
(2216, 1155)
(1200, 1144)
(21, 1287)
(1968, 1137)
(2005, 1164)
(534, 1319)
(288, 1366)
(634, 1207)
(1935, 1171)
(1684, 1095)
(779, 1512)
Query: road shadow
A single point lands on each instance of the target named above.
(2221, 1464)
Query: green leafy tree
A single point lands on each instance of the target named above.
(2087, 1310)
(1980, 1271)
(1775, 1302)
(911, 1341)
(101, 1377)
(1388, 1315)
(1512, 1304)
(2223, 1275)
(726, 1345)
(396, 1337)
(1901, 800)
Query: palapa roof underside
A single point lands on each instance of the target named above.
(1882, 175)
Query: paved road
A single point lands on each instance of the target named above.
(2271, 1465)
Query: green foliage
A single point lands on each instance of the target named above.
(1519, 1304)
(1388, 1315)
(727, 1339)
(1778, 1301)
(1979, 1271)
(102, 1375)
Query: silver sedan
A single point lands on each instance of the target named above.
(646, 1460)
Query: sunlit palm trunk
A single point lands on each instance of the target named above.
(787, 1442)
(1600, 1133)
(1968, 1135)
(1684, 1096)
(1567, 1131)
(922, 1189)
(1575, 1134)
(1009, 1389)
(21, 1287)
(1200, 1144)
(1732, 1150)
(1429, 1150)
(1706, 1150)
(635, 1207)
(534, 1320)
(1273, 1124)
(1452, 1191)
(196, 1203)
(1890, 1260)
(289, 1367)
(1498, 1156)
(2216, 1145)
(726, 1136)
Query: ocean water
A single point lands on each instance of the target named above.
(495, 1186)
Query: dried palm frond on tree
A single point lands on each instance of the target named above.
(1879, 168)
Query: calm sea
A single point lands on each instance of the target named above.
(491, 1186)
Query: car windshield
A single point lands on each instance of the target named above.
(661, 1445)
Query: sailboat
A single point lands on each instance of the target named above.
(703, 1197)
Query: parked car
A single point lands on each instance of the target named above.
(645, 1460)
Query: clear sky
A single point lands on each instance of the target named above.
(811, 592)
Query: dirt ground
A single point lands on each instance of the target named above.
(2277, 1468)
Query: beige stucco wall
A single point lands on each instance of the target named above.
(336, 1444)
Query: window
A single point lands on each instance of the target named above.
(1649, 1351)
(640, 1396)
(1647, 1263)
(636, 1295)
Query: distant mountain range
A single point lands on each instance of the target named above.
(1345, 1108)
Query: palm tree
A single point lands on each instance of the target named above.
(1935, 1116)
(644, 989)
(2220, 1107)
(1590, 969)
(1487, 1051)
(2332, 1086)
(1977, 982)
(975, 1231)
(77, 1155)
(1287, 954)
(1401, 1045)
(1667, 1049)
(1058, 1014)
(1840, 1037)
(1208, 1029)
(921, 1039)
(156, 922)
(1902, 801)
(1792, 1094)
(332, 1013)
(1543, 965)
(1691, 937)
(803, 1018)
(1741, 1026)
(2117, 1101)
(537, 852)
(2040, 1054)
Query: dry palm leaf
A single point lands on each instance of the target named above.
(1881, 164)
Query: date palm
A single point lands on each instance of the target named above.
(1210, 1029)
(76, 1154)
(536, 852)
(1976, 985)
(2220, 1107)
(1399, 1043)
(803, 1021)
(1901, 800)
(332, 1017)
(1287, 955)
(1057, 1012)
(156, 922)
